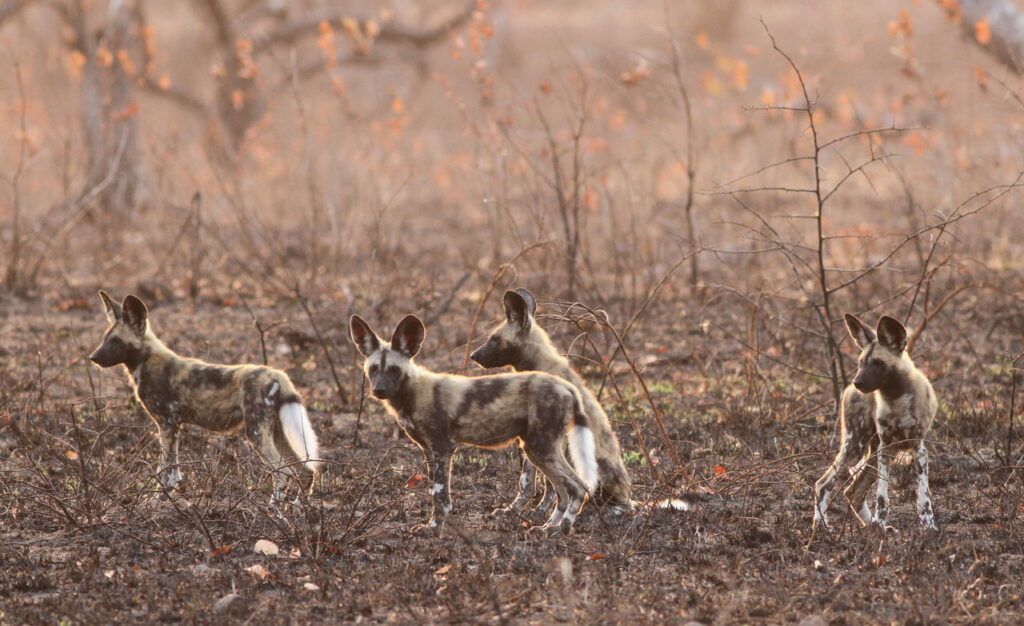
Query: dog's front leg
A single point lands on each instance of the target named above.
(882, 494)
(924, 499)
(439, 459)
(168, 472)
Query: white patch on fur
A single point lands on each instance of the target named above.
(169, 478)
(675, 504)
(274, 388)
(581, 449)
(821, 506)
(137, 372)
(446, 508)
(438, 488)
(924, 503)
(299, 433)
(865, 512)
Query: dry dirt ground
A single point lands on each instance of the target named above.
(85, 542)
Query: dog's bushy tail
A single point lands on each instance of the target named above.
(582, 447)
(299, 433)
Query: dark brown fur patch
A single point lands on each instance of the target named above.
(483, 393)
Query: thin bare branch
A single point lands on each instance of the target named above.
(389, 31)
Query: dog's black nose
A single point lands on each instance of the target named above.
(481, 358)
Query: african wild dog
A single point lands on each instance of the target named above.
(520, 342)
(889, 407)
(175, 390)
(442, 411)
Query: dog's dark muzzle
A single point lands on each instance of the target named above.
(866, 384)
(102, 358)
(485, 358)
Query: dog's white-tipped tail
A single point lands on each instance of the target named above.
(584, 459)
(299, 433)
(674, 504)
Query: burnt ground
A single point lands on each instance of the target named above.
(85, 541)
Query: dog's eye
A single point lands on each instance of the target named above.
(373, 369)
(392, 369)
(493, 341)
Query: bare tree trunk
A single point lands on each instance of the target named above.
(109, 110)
(1004, 38)
(240, 104)
(127, 190)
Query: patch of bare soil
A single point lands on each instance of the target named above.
(85, 540)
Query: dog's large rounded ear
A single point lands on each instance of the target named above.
(892, 334)
(408, 336)
(862, 335)
(135, 313)
(531, 302)
(517, 309)
(363, 336)
(112, 308)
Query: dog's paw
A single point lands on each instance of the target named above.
(544, 531)
(432, 528)
(503, 511)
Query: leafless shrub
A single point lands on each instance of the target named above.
(813, 263)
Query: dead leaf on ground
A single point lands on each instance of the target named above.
(265, 546)
(258, 571)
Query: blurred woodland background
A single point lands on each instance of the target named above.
(696, 190)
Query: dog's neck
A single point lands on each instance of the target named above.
(540, 354)
(901, 384)
(152, 347)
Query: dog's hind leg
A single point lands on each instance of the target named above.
(864, 473)
(924, 499)
(823, 488)
(525, 491)
(565, 483)
(260, 435)
(548, 501)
